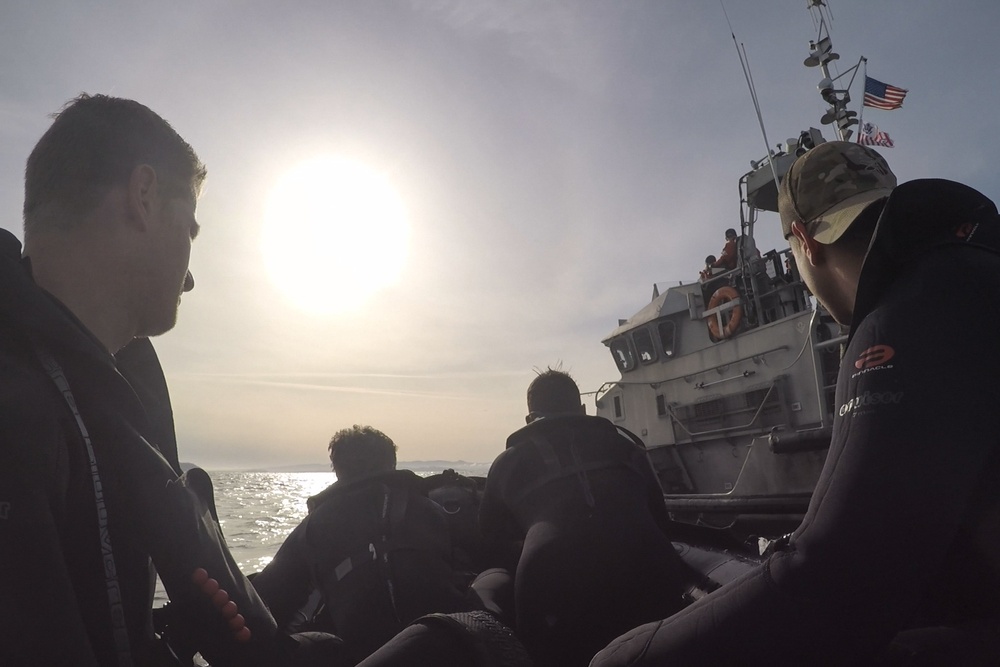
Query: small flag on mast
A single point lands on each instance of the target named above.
(883, 96)
(870, 135)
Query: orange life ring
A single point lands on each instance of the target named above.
(724, 295)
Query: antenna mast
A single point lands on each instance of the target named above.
(821, 54)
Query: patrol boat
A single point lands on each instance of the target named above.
(729, 380)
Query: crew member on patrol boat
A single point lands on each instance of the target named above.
(728, 259)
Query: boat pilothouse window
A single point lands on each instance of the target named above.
(644, 347)
(619, 410)
(667, 332)
(624, 356)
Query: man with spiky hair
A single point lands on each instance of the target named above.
(897, 561)
(581, 494)
(86, 500)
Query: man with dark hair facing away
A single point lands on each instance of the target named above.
(582, 495)
(86, 499)
(377, 549)
(897, 561)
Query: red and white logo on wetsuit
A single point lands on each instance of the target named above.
(874, 356)
(966, 230)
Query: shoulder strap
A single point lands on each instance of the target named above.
(118, 629)
(394, 503)
(367, 554)
(393, 510)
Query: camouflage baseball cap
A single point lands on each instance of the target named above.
(830, 185)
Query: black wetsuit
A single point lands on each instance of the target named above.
(899, 552)
(77, 532)
(596, 558)
(379, 551)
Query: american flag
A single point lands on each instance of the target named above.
(870, 135)
(883, 96)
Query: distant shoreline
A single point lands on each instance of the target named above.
(478, 468)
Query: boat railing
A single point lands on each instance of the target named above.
(758, 410)
(756, 357)
(833, 342)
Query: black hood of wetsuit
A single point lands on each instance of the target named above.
(918, 216)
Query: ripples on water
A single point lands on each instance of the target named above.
(257, 510)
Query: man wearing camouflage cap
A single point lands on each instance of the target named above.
(897, 561)
(823, 194)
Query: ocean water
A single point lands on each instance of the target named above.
(257, 510)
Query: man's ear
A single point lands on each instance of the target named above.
(143, 194)
(812, 248)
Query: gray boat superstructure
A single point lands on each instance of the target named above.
(729, 380)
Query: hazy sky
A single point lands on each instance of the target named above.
(553, 159)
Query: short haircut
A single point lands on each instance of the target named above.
(360, 451)
(93, 145)
(553, 391)
(731, 232)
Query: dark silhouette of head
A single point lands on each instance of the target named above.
(361, 451)
(553, 392)
(731, 233)
(93, 146)
(710, 259)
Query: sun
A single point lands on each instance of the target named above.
(335, 232)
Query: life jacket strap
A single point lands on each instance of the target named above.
(356, 560)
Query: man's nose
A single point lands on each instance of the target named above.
(188, 282)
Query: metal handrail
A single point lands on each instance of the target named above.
(727, 429)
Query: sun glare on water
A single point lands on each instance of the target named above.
(335, 232)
